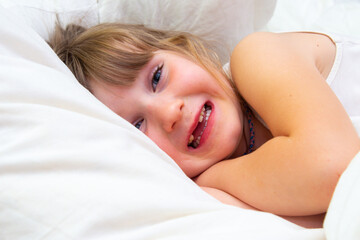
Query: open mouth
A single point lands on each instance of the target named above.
(196, 135)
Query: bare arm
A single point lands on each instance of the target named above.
(315, 221)
(294, 173)
(227, 198)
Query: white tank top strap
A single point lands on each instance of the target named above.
(344, 77)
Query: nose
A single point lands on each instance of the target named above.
(167, 112)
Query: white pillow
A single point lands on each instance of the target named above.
(72, 169)
(41, 14)
(224, 23)
(338, 16)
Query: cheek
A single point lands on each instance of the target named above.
(164, 143)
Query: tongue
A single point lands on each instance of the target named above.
(199, 128)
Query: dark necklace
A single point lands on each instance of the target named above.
(252, 130)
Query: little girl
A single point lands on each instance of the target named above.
(273, 136)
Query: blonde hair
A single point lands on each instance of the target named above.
(115, 53)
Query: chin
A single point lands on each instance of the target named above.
(196, 167)
(233, 150)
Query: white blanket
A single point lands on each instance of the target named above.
(343, 217)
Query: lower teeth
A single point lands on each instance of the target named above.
(196, 143)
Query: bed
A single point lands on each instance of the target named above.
(72, 169)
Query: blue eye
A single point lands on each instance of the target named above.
(138, 124)
(156, 77)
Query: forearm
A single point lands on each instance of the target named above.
(227, 198)
(314, 221)
(284, 176)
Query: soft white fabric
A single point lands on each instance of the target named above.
(72, 169)
(345, 73)
(41, 14)
(224, 23)
(339, 16)
(342, 220)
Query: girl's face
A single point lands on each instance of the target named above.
(182, 108)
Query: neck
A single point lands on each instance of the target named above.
(243, 145)
(262, 135)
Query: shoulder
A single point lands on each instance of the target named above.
(265, 62)
(294, 41)
(297, 50)
(273, 48)
(274, 72)
(261, 41)
(254, 39)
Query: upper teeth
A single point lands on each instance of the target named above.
(191, 138)
(207, 113)
(201, 118)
